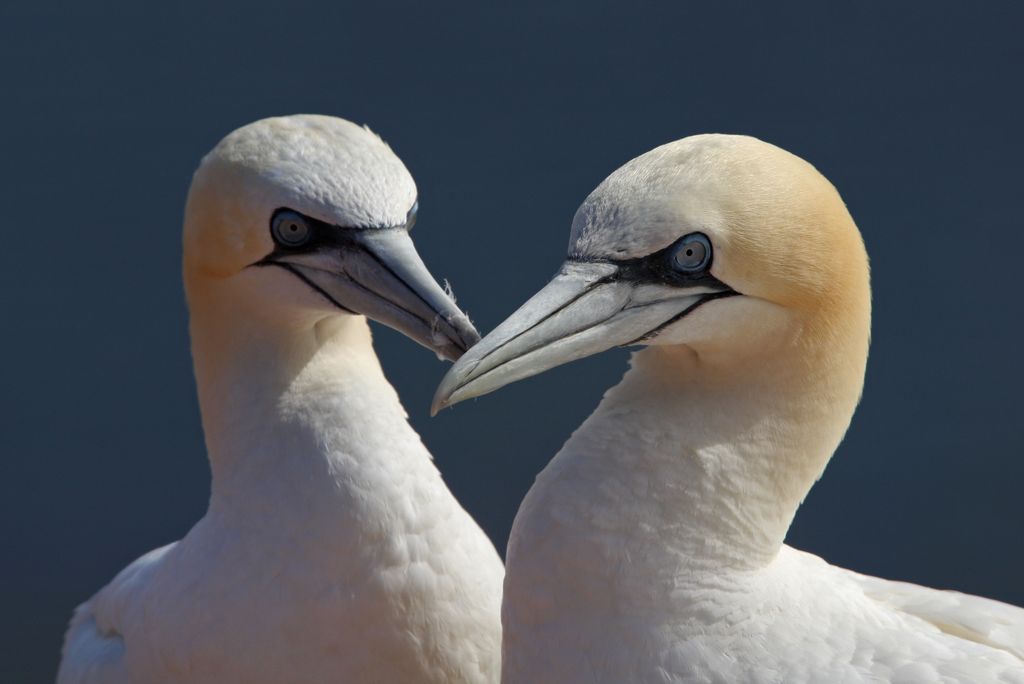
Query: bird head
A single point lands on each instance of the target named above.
(304, 217)
(723, 246)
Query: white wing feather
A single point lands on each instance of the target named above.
(981, 620)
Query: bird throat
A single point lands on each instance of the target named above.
(713, 464)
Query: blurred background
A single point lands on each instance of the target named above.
(507, 116)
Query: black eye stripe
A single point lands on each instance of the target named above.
(659, 268)
(321, 233)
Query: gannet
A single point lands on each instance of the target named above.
(332, 551)
(651, 548)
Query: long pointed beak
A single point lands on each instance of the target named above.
(585, 309)
(379, 274)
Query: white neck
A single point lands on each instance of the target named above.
(300, 421)
(688, 463)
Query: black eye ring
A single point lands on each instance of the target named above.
(692, 253)
(290, 229)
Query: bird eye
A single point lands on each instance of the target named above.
(693, 253)
(410, 218)
(290, 229)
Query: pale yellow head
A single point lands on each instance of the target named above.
(300, 218)
(328, 168)
(722, 246)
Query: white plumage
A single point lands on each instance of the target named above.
(332, 551)
(651, 548)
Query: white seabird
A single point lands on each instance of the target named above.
(651, 548)
(332, 551)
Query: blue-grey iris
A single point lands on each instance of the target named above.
(290, 229)
(692, 254)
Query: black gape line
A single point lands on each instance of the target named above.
(710, 297)
(316, 288)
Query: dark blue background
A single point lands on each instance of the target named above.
(507, 117)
